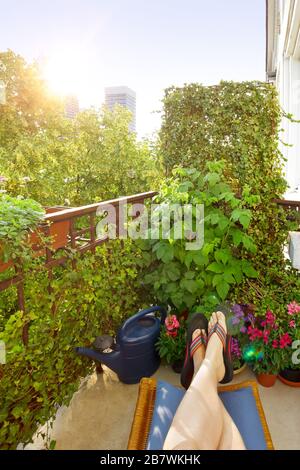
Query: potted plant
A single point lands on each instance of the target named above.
(267, 350)
(17, 216)
(290, 374)
(172, 342)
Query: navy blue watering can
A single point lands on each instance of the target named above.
(134, 355)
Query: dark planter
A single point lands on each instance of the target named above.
(290, 377)
(177, 366)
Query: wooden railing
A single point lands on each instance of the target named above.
(294, 205)
(79, 240)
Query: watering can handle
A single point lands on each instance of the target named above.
(142, 313)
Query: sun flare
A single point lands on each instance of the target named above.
(71, 74)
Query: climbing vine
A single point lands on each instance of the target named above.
(238, 123)
(80, 305)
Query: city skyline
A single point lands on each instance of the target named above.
(149, 46)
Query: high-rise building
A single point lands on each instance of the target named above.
(123, 96)
(71, 106)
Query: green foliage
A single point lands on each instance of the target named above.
(17, 217)
(188, 278)
(80, 305)
(60, 161)
(240, 123)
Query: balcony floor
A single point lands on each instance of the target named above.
(100, 414)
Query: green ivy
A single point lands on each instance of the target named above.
(70, 310)
(239, 123)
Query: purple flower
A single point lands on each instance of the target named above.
(243, 329)
(235, 348)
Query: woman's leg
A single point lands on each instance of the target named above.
(231, 438)
(200, 419)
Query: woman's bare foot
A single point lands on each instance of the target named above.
(200, 352)
(214, 350)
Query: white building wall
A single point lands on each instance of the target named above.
(283, 57)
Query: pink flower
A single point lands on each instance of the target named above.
(172, 323)
(285, 341)
(275, 344)
(293, 308)
(254, 333)
(292, 324)
(266, 336)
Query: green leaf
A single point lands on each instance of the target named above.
(222, 256)
(223, 289)
(212, 178)
(216, 268)
(189, 285)
(249, 270)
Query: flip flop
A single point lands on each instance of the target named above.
(198, 322)
(226, 341)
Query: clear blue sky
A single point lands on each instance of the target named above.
(145, 44)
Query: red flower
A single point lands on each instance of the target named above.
(275, 344)
(292, 324)
(254, 333)
(266, 336)
(285, 341)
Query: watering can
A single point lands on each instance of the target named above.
(134, 355)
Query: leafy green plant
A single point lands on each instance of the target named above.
(188, 278)
(18, 216)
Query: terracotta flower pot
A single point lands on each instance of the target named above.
(290, 377)
(266, 380)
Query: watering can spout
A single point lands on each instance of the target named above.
(111, 360)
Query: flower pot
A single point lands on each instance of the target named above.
(266, 380)
(177, 366)
(241, 369)
(290, 377)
